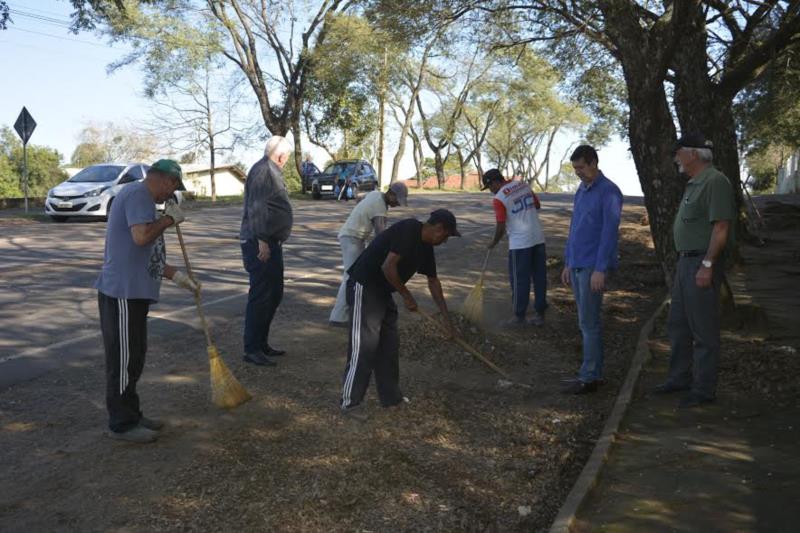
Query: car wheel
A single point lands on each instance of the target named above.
(58, 218)
(354, 188)
(315, 193)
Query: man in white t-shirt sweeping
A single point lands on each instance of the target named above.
(516, 209)
(368, 216)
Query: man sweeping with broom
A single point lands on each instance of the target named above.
(386, 265)
(516, 213)
(130, 281)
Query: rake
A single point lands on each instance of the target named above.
(476, 353)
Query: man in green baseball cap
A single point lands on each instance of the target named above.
(170, 168)
(129, 283)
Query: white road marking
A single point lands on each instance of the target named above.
(156, 316)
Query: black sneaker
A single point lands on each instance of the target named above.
(669, 388)
(694, 400)
(580, 387)
(269, 351)
(356, 412)
(258, 359)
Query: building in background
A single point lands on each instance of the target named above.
(788, 175)
(229, 179)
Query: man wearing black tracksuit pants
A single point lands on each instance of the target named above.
(383, 268)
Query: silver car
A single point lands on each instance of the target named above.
(91, 192)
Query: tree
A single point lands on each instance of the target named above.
(199, 111)
(451, 91)
(768, 115)
(109, 143)
(44, 169)
(248, 33)
(340, 103)
(686, 59)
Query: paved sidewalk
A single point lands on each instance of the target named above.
(734, 465)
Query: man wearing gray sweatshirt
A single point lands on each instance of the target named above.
(266, 224)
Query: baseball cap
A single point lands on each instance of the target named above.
(170, 168)
(446, 219)
(489, 176)
(401, 191)
(693, 139)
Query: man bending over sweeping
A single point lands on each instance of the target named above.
(382, 269)
(130, 281)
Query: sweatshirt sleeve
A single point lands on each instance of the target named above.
(612, 213)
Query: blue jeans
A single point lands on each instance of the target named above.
(524, 265)
(265, 295)
(590, 306)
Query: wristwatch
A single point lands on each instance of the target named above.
(707, 263)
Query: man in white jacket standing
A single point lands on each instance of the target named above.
(368, 215)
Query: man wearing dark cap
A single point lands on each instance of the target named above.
(516, 214)
(701, 231)
(368, 216)
(386, 265)
(130, 281)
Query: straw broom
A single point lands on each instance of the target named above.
(473, 305)
(226, 391)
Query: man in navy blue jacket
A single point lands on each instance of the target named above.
(266, 224)
(590, 253)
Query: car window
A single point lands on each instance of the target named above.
(97, 174)
(338, 168)
(136, 172)
(369, 170)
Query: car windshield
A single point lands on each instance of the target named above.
(338, 168)
(97, 174)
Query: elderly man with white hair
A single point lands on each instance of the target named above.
(266, 224)
(701, 231)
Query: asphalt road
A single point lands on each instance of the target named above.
(48, 309)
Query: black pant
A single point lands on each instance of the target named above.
(374, 346)
(124, 326)
(265, 295)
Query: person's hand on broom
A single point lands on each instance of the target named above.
(182, 280)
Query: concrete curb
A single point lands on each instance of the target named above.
(565, 519)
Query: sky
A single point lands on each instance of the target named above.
(63, 81)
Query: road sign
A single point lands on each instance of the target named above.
(25, 125)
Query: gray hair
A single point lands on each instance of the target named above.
(277, 146)
(705, 154)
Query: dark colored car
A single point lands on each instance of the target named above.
(358, 173)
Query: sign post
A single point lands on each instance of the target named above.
(24, 127)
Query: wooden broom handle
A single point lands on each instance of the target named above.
(196, 293)
(467, 347)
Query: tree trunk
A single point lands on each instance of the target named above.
(701, 106)
(644, 55)
(439, 163)
(409, 115)
(461, 168)
(212, 170)
(298, 147)
(381, 113)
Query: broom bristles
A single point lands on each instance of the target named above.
(226, 391)
(473, 305)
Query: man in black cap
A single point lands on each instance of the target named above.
(701, 230)
(384, 267)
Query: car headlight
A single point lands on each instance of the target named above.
(50, 193)
(96, 192)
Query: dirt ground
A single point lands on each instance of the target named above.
(466, 454)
